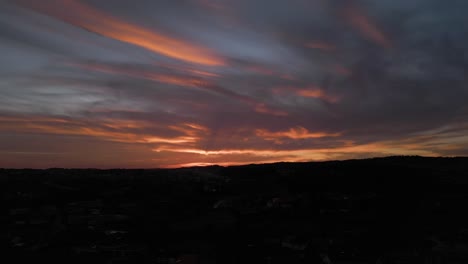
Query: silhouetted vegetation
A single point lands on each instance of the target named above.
(382, 210)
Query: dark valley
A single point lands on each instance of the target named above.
(382, 210)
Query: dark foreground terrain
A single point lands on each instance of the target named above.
(384, 210)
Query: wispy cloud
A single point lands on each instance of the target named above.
(320, 46)
(366, 26)
(107, 25)
(293, 133)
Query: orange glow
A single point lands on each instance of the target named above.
(75, 129)
(176, 140)
(192, 164)
(204, 73)
(317, 93)
(203, 152)
(293, 133)
(170, 79)
(125, 124)
(262, 108)
(236, 156)
(110, 130)
(366, 26)
(196, 126)
(190, 129)
(202, 164)
(309, 92)
(184, 147)
(104, 24)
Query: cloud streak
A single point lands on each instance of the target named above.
(101, 23)
(366, 26)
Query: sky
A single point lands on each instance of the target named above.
(170, 83)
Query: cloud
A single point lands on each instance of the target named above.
(104, 24)
(366, 26)
(168, 83)
(321, 46)
(293, 133)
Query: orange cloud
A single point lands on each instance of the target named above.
(366, 26)
(206, 152)
(348, 149)
(264, 109)
(190, 129)
(317, 93)
(176, 140)
(310, 92)
(293, 133)
(72, 128)
(127, 131)
(183, 149)
(203, 73)
(104, 24)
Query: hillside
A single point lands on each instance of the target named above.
(392, 210)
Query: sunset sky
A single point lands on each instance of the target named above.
(169, 83)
